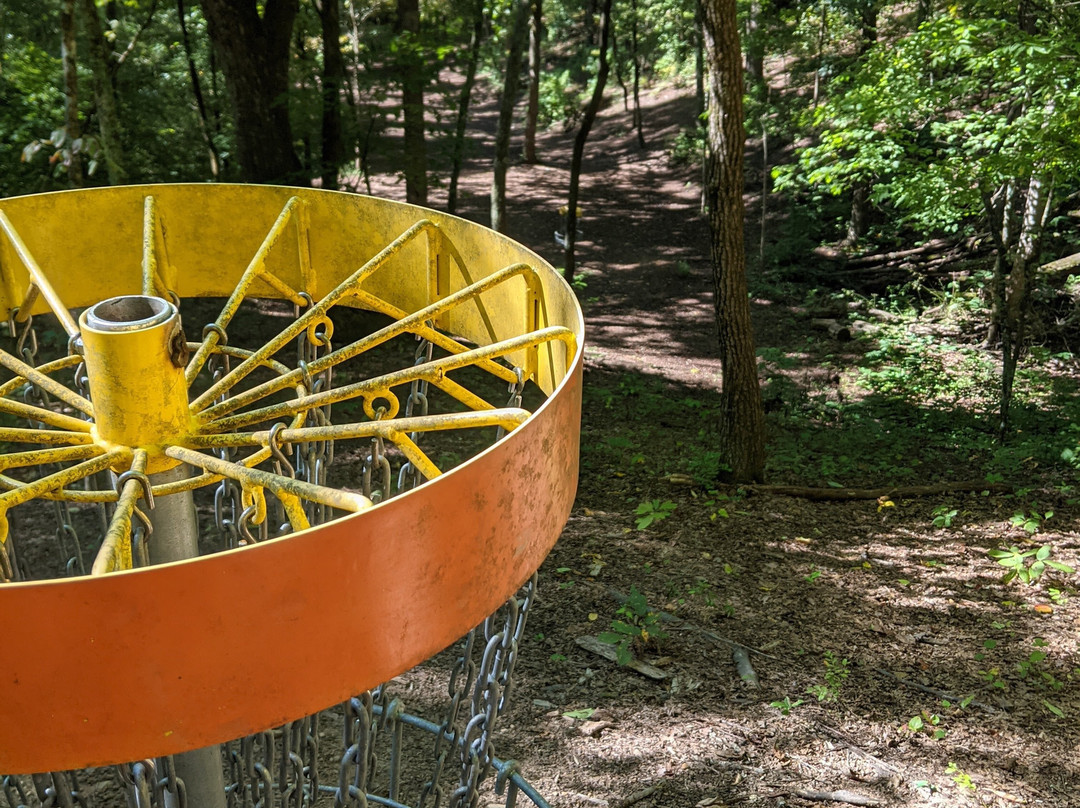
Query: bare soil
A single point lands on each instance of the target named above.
(939, 683)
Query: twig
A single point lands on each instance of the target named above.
(850, 494)
(879, 764)
(849, 797)
(678, 624)
(607, 651)
(933, 691)
(638, 796)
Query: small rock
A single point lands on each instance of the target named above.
(593, 729)
(543, 705)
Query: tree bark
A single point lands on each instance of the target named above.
(72, 128)
(582, 136)
(104, 95)
(200, 100)
(536, 31)
(254, 54)
(463, 105)
(635, 56)
(411, 69)
(333, 79)
(511, 79)
(742, 419)
(755, 51)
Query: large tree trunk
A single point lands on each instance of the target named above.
(333, 78)
(464, 100)
(511, 80)
(104, 95)
(742, 419)
(411, 68)
(536, 31)
(254, 54)
(72, 127)
(579, 142)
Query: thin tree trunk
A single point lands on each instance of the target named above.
(108, 112)
(859, 221)
(582, 136)
(699, 61)
(333, 79)
(536, 31)
(755, 53)
(72, 127)
(635, 56)
(616, 64)
(511, 80)
(764, 188)
(196, 89)
(463, 105)
(823, 30)
(1019, 291)
(742, 419)
(412, 102)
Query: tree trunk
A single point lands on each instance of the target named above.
(582, 137)
(196, 89)
(536, 31)
(463, 105)
(1019, 289)
(742, 419)
(411, 69)
(104, 95)
(254, 54)
(635, 56)
(699, 61)
(511, 80)
(72, 127)
(333, 79)
(755, 51)
(859, 222)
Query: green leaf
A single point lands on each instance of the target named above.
(1054, 709)
(916, 723)
(610, 637)
(580, 715)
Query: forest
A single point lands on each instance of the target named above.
(825, 541)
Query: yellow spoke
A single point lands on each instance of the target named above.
(256, 270)
(279, 485)
(310, 318)
(32, 413)
(405, 324)
(47, 436)
(24, 492)
(49, 385)
(42, 457)
(69, 361)
(115, 550)
(37, 277)
(372, 389)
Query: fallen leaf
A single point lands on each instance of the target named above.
(593, 616)
(1043, 608)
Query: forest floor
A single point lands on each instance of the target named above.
(893, 664)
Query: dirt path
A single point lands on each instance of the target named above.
(893, 664)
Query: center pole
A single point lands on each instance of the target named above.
(135, 352)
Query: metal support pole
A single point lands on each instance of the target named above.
(175, 538)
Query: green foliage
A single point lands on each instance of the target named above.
(1032, 521)
(786, 706)
(1028, 566)
(652, 511)
(688, 147)
(943, 516)
(639, 628)
(836, 674)
(928, 724)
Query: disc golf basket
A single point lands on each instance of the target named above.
(223, 545)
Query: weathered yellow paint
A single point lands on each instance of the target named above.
(137, 376)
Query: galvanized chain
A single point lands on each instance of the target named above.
(502, 632)
(227, 508)
(313, 461)
(416, 405)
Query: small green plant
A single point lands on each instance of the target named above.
(1032, 521)
(927, 724)
(580, 715)
(943, 516)
(652, 511)
(960, 777)
(638, 628)
(836, 673)
(705, 590)
(1033, 668)
(1028, 566)
(786, 706)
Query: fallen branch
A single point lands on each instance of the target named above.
(638, 796)
(607, 651)
(885, 770)
(933, 691)
(849, 797)
(896, 491)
